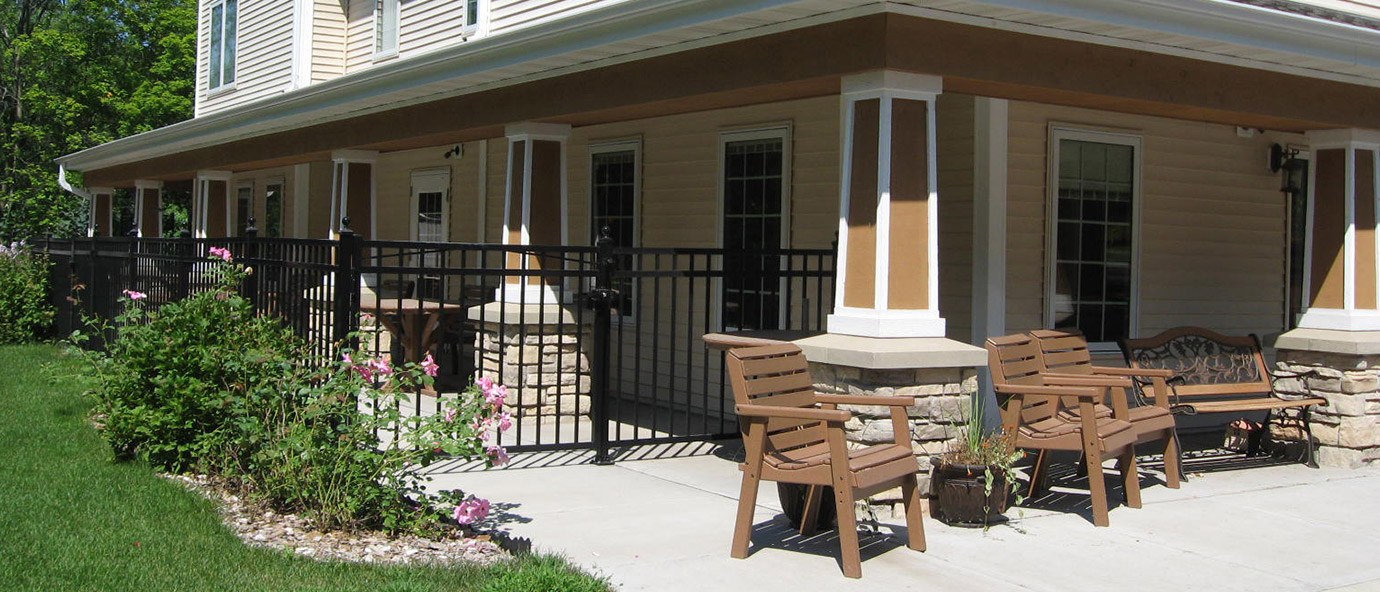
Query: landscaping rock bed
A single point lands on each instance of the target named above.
(260, 527)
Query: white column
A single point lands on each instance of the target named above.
(210, 204)
(535, 204)
(1341, 285)
(344, 165)
(989, 217)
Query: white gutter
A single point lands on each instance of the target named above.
(406, 82)
(67, 186)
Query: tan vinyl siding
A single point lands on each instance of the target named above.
(263, 60)
(954, 136)
(1212, 220)
(427, 25)
(359, 37)
(393, 190)
(327, 40)
(507, 15)
(319, 201)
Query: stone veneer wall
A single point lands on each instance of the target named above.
(543, 366)
(943, 401)
(1347, 429)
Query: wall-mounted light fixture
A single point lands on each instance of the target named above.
(1280, 156)
(457, 151)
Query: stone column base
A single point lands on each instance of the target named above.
(940, 373)
(1347, 429)
(536, 351)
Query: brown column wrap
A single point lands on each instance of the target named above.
(859, 288)
(1327, 266)
(909, 260)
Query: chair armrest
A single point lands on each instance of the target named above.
(829, 415)
(1053, 378)
(864, 400)
(1146, 372)
(1093, 394)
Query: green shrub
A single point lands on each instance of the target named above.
(25, 313)
(207, 384)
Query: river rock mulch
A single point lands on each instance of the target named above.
(258, 526)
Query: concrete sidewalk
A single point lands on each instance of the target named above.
(666, 523)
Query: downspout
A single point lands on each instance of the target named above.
(82, 193)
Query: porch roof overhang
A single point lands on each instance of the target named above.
(646, 57)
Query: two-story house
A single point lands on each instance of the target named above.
(986, 166)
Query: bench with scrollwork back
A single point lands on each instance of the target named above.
(1215, 373)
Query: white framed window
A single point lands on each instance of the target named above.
(387, 13)
(272, 223)
(224, 37)
(754, 190)
(615, 178)
(1092, 251)
(475, 13)
(244, 206)
(430, 222)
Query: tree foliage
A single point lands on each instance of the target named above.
(76, 73)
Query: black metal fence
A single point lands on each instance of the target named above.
(599, 346)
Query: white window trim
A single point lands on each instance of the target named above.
(380, 35)
(1136, 142)
(605, 147)
(783, 131)
(223, 87)
(442, 173)
(480, 26)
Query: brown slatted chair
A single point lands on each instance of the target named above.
(794, 435)
(1065, 359)
(1038, 413)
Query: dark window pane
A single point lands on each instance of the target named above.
(1093, 245)
(1118, 283)
(1090, 282)
(1117, 324)
(1090, 321)
(1094, 208)
(1068, 241)
(1068, 208)
(1119, 243)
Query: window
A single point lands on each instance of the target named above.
(273, 209)
(244, 208)
(429, 190)
(472, 10)
(755, 178)
(385, 27)
(613, 172)
(1092, 279)
(223, 18)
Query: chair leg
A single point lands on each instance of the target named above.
(1130, 477)
(1097, 487)
(1308, 439)
(814, 494)
(848, 530)
(1172, 470)
(915, 515)
(747, 504)
(1039, 474)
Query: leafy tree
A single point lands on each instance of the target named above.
(76, 73)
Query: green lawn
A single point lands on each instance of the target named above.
(71, 519)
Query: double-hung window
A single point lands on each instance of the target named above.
(224, 15)
(613, 170)
(755, 181)
(1091, 283)
(473, 8)
(385, 27)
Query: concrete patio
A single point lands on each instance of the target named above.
(661, 519)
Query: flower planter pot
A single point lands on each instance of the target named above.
(958, 494)
(792, 498)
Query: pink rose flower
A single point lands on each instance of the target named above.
(429, 366)
(471, 510)
(505, 421)
(380, 366)
(485, 384)
(135, 296)
(498, 454)
(224, 254)
(450, 415)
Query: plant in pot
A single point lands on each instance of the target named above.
(972, 481)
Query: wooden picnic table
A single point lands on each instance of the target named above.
(414, 322)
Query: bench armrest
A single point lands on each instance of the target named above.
(864, 400)
(769, 412)
(1137, 372)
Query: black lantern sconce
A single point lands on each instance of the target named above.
(1286, 159)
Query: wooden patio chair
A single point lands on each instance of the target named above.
(1038, 414)
(1065, 359)
(794, 435)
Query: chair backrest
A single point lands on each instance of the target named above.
(1015, 359)
(1208, 363)
(776, 375)
(1064, 351)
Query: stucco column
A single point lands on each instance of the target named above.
(534, 209)
(211, 204)
(886, 335)
(352, 191)
(1339, 329)
(148, 208)
(102, 212)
